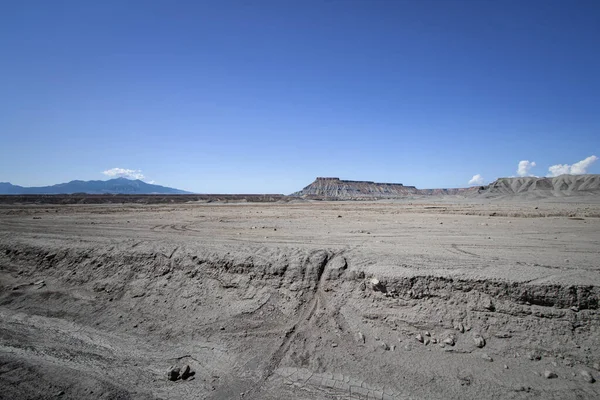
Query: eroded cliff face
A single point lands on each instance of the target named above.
(335, 188)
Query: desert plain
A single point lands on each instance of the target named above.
(425, 298)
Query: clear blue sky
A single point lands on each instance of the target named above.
(263, 96)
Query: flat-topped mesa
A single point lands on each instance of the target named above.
(336, 188)
(333, 188)
(320, 178)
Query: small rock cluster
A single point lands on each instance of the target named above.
(175, 373)
(449, 339)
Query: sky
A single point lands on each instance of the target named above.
(262, 96)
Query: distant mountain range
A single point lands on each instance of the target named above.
(112, 186)
(335, 188)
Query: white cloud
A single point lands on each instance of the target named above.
(581, 167)
(559, 169)
(578, 168)
(524, 167)
(476, 180)
(124, 173)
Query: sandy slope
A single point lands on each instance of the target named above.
(270, 301)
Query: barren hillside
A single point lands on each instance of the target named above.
(533, 187)
(521, 188)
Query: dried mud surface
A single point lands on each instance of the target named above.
(448, 299)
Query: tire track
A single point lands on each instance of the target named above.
(292, 332)
(455, 247)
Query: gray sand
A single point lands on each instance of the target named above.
(442, 298)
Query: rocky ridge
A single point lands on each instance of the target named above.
(559, 186)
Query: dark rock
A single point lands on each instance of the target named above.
(587, 376)
(186, 372)
(173, 373)
(550, 375)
